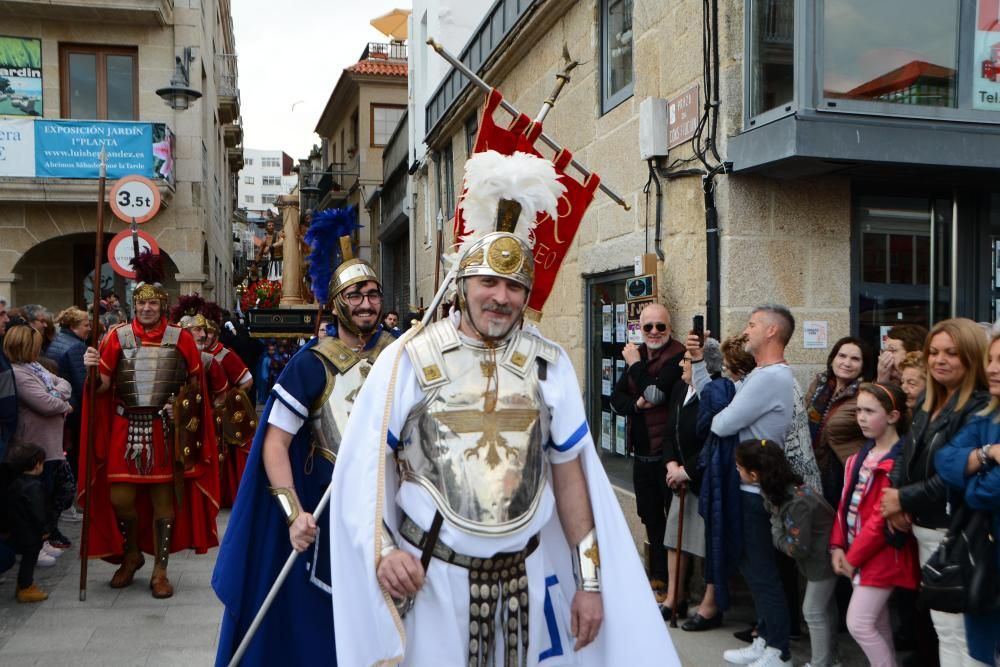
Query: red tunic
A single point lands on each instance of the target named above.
(232, 466)
(196, 510)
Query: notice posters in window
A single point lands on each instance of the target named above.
(20, 76)
(606, 435)
(620, 320)
(619, 435)
(606, 323)
(607, 379)
(619, 369)
(986, 56)
(634, 333)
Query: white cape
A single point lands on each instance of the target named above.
(368, 629)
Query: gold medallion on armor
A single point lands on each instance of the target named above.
(505, 255)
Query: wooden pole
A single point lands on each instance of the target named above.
(93, 375)
(677, 558)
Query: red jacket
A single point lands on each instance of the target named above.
(880, 565)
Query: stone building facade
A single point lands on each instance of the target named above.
(854, 186)
(102, 62)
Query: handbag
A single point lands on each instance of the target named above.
(961, 576)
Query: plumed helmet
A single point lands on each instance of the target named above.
(149, 276)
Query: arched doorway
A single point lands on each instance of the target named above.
(58, 273)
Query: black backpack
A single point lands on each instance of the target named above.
(961, 576)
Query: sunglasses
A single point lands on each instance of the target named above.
(660, 326)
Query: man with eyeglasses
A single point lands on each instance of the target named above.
(640, 395)
(289, 466)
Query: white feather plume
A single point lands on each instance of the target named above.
(527, 179)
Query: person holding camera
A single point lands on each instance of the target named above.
(641, 395)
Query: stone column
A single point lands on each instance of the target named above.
(291, 268)
(7, 281)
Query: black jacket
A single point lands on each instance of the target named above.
(646, 427)
(24, 512)
(681, 442)
(921, 491)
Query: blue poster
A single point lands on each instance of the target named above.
(72, 149)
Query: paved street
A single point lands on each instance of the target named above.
(129, 628)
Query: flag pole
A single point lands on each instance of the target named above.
(93, 375)
(509, 108)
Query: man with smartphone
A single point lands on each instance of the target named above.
(641, 395)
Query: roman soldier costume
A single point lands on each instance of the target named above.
(155, 480)
(449, 457)
(311, 401)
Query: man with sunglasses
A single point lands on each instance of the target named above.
(287, 471)
(640, 395)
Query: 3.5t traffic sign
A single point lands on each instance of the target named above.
(135, 199)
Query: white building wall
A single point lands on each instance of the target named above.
(260, 185)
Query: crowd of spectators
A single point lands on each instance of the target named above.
(850, 486)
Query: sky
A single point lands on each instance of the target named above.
(291, 54)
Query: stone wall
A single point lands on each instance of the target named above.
(781, 241)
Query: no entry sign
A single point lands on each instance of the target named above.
(120, 252)
(135, 198)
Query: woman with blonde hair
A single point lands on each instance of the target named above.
(956, 391)
(42, 406)
(970, 466)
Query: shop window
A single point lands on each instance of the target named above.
(616, 53)
(771, 45)
(894, 51)
(384, 119)
(905, 262)
(98, 82)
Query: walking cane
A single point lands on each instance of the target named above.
(677, 557)
(93, 376)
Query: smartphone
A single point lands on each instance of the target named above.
(698, 326)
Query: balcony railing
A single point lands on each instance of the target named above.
(384, 51)
(226, 75)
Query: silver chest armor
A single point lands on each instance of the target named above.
(346, 371)
(476, 441)
(147, 375)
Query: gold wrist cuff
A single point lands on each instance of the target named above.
(587, 564)
(287, 503)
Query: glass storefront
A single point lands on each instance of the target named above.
(772, 48)
(897, 51)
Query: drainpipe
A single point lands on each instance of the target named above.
(714, 315)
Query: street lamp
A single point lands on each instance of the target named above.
(179, 94)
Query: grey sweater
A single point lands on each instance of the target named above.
(762, 407)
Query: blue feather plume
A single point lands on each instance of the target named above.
(323, 236)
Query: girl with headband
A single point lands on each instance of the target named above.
(875, 559)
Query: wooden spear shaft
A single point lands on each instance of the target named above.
(93, 375)
(509, 108)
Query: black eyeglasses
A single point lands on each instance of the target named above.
(355, 298)
(660, 326)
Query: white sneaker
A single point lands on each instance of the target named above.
(51, 550)
(771, 658)
(72, 515)
(44, 559)
(746, 655)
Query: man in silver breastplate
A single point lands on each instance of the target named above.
(471, 536)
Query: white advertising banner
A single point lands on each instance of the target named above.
(17, 147)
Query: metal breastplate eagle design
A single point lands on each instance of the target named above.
(147, 375)
(346, 371)
(476, 440)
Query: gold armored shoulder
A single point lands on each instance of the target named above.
(426, 351)
(524, 348)
(332, 350)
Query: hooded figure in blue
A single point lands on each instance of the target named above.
(290, 465)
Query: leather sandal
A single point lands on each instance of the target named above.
(125, 573)
(161, 586)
